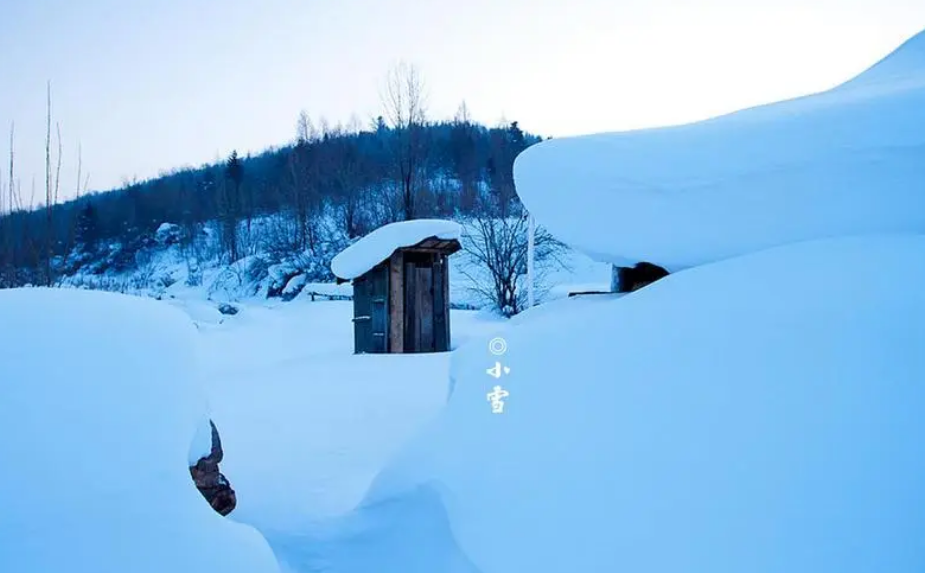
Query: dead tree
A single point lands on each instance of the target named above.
(49, 191)
(404, 101)
(498, 248)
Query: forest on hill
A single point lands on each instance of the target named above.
(306, 199)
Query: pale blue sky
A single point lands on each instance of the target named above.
(157, 84)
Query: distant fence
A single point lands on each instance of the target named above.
(314, 295)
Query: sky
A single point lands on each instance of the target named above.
(148, 86)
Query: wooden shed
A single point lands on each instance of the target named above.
(402, 304)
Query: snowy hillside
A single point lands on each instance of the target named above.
(166, 266)
(844, 162)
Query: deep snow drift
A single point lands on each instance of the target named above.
(843, 162)
(99, 404)
(377, 246)
(760, 414)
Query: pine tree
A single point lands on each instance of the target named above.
(87, 229)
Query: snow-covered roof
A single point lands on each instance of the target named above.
(845, 161)
(379, 245)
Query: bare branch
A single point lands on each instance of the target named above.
(48, 148)
(58, 168)
(79, 166)
(404, 101)
(12, 186)
(498, 248)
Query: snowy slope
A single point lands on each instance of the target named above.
(844, 162)
(724, 419)
(306, 424)
(99, 405)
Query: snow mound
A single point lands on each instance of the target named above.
(379, 245)
(723, 419)
(904, 63)
(842, 162)
(98, 408)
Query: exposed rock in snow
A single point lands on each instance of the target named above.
(227, 309)
(209, 479)
(843, 162)
(377, 246)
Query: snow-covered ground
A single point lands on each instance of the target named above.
(306, 424)
(726, 418)
(99, 402)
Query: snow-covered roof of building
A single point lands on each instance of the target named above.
(844, 161)
(366, 253)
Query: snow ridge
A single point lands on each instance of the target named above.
(843, 162)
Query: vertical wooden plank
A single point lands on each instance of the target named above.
(446, 297)
(361, 311)
(440, 334)
(396, 303)
(380, 280)
(425, 293)
(410, 311)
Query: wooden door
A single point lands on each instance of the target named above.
(362, 316)
(420, 333)
(425, 293)
(379, 295)
(441, 305)
(370, 311)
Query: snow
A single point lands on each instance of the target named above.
(343, 290)
(763, 413)
(99, 403)
(166, 228)
(202, 442)
(842, 162)
(379, 245)
(306, 424)
(295, 285)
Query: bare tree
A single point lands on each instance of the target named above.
(304, 198)
(49, 202)
(404, 99)
(83, 183)
(11, 189)
(464, 154)
(6, 228)
(354, 126)
(498, 247)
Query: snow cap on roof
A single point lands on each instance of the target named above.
(379, 245)
(842, 162)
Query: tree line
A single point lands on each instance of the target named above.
(330, 184)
